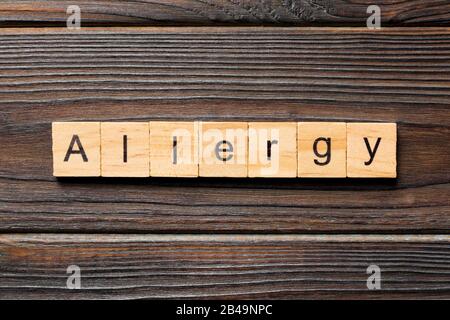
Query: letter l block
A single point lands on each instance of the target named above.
(125, 149)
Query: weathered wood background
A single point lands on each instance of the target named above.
(223, 267)
(224, 12)
(225, 238)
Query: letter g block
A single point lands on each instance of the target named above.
(322, 149)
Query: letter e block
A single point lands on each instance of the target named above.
(173, 149)
(76, 149)
(372, 150)
(125, 149)
(223, 149)
(322, 149)
(272, 149)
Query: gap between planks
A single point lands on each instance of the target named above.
(99, 238)
(225, 30)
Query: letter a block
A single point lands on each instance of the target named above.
(173, 149)
(272, 149)
(223, 149)
(125, 149)
(76, 149)
(322, 149)
(372, 150)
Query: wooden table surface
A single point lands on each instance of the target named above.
(224, 238)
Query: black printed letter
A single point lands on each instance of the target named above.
(371, 153)
(224, 150)
(70, 151)
(125, 148)
(269, 148)
(326, 155)
(174, 150)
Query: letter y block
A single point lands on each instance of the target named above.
(372, 150)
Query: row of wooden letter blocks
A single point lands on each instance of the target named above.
(225, 149)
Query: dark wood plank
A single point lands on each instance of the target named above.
(193, 12)
(395, 75)
(255, 267)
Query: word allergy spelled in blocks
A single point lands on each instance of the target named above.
(225, 149)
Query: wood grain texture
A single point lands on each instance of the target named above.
(246, 267)
(212, 12)
(230, 74)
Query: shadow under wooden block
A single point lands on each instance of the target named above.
(272, 149)
(173, 149)
(322, 149)
(223, 149)
(76, 149)
(125, 149)
(372, 150)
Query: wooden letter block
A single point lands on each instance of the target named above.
(223, 149)
(76, 149)
(173, 149)
(322, 149)
(125, 149)
(272, 149)
(372, 150)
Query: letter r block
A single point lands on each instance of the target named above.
(272, 149)
(76, 149)
(125, 149)
(372, 150)
(223, 149)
